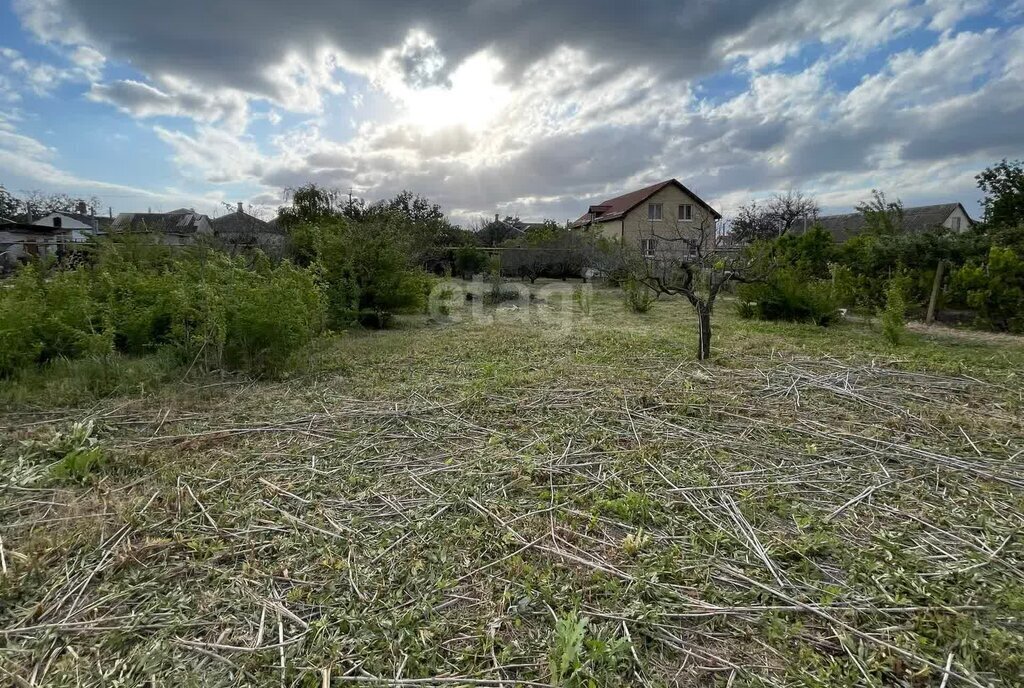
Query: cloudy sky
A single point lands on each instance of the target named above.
(527, 107)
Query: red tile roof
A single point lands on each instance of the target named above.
(620, 205)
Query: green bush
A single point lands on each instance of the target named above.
(469, 260)
(500, 292)
(21, 301)
(894, 314)
(995, 289)
(809, 254)
(787, 296)
(639, 297)
(270, 318)
(367, 272)
(45, 319)
(209, 310)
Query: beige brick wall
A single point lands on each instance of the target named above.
(636, 226)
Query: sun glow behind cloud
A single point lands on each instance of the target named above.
(413, 76)
(497, 106)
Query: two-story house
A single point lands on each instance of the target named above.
(661, 220)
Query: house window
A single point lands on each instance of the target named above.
(654, 212)
(686, 213)
(648, 246)
(956, 224)
(57, 222)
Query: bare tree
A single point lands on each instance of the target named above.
(791, 208)
(682, 258)
(41, 203)
(774, 218)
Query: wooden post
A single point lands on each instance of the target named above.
(936, 288)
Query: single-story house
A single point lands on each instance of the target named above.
(239, 230)
(181, 227)
(916, 220)
(20, 241)
(26, 235)
(645, 219)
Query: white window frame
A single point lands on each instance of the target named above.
(687, 215)
(655, 209)
(648, 247)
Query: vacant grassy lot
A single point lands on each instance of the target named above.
(525, 502)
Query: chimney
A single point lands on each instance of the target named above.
(110, 211)
(82, 208)
(239, 207)
(496, 218)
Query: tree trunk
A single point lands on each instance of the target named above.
(703, 332)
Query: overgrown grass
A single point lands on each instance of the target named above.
(533, 500)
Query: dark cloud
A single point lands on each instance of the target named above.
(578, 128)
(230, 43)
(989, 124)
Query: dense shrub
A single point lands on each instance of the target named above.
(639, 297)
(270, 318)
(499, 291)
(21, 301)
(786, 295)
(368, 273)
(995, 289)
(72, 322)
(207, 309)
(894, 323)
(809, 254)
(44, 319)
(469, 260)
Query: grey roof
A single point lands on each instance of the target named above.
(90, 220)
(169, 223)
(917, 219)
(24, 218)
(239, 223)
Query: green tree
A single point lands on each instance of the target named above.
(1003, 185)
(883, 217)
(546, 234)
(808, 254)
(995, 289)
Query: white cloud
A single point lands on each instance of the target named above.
(38, 78)
(178, 98)
(213, 154)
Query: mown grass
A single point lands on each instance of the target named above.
(561, 499)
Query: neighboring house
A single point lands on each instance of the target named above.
(21, 241)
(499, 231)
(916, 220)
(79, 226)
(181, 227)
(666, 210)
(239, 231)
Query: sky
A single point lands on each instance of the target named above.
(531, 108)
